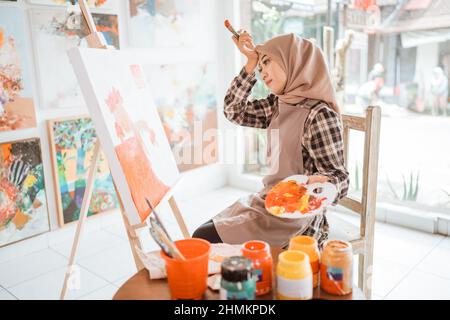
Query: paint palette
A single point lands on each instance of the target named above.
(293, 198)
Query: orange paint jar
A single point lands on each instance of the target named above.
(336, 269)
(259, 253)
(309, 246)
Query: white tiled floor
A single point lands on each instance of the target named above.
(407, 264)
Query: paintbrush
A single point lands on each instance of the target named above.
(157, 217)
(162, 240)
(161, 236)
(157, 237)
(230, 28)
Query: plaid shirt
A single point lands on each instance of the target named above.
(323, 147)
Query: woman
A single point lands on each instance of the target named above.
(303, 113)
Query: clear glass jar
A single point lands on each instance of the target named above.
(336, 269)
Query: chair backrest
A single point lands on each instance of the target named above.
(370, 125)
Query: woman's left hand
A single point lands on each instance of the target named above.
(317, 178)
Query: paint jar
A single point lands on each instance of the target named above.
(309, 246)
(336, 269)
(238, 282)
(259, 253)
(294, 276)
(188, 278)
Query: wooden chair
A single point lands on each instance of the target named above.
(362, 240)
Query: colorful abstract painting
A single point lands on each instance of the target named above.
(128, 126)
(72, 142)
(17, 109)
(185, 95)
(55, 31)
(90, 3)
(164, 23)
(23, 202)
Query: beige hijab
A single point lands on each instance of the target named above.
(305, 67)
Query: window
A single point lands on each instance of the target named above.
(396, 61)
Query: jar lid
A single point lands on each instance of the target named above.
(236, 269)
(255, 249)
(337, 246)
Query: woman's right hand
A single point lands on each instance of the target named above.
(247, 48)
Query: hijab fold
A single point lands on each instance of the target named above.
(306, 70)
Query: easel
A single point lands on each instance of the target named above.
(96, 40)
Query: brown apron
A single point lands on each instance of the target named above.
(247, 219)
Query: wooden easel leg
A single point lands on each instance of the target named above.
(179, 217)
(131, 233)
(83, 214)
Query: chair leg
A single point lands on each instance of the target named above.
(365, 274)
(368, 274)
(361, 271)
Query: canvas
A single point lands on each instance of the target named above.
(153, 22)
(185, 96)
(23, 203)
(128, 126)
(72, 143)
(55, 31)
(17, 108)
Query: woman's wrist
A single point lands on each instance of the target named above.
(250, 66)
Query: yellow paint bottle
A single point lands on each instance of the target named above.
(309, 246)
(294, 276)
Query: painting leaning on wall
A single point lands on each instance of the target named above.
(72, 141)
(23, 201)
(17, 108)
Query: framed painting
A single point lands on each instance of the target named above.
(23, 201)
(128, 126)
(17, 108)
(72, 143)
(153, 22)
(55, 31)
(185, 96)
(103, 4)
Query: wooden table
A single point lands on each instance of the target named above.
(141, 287)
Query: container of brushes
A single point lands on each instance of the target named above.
(188, 278)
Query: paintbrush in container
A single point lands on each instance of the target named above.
(157, 217)
(160, 235)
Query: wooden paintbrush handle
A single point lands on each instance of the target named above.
(173, 248)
